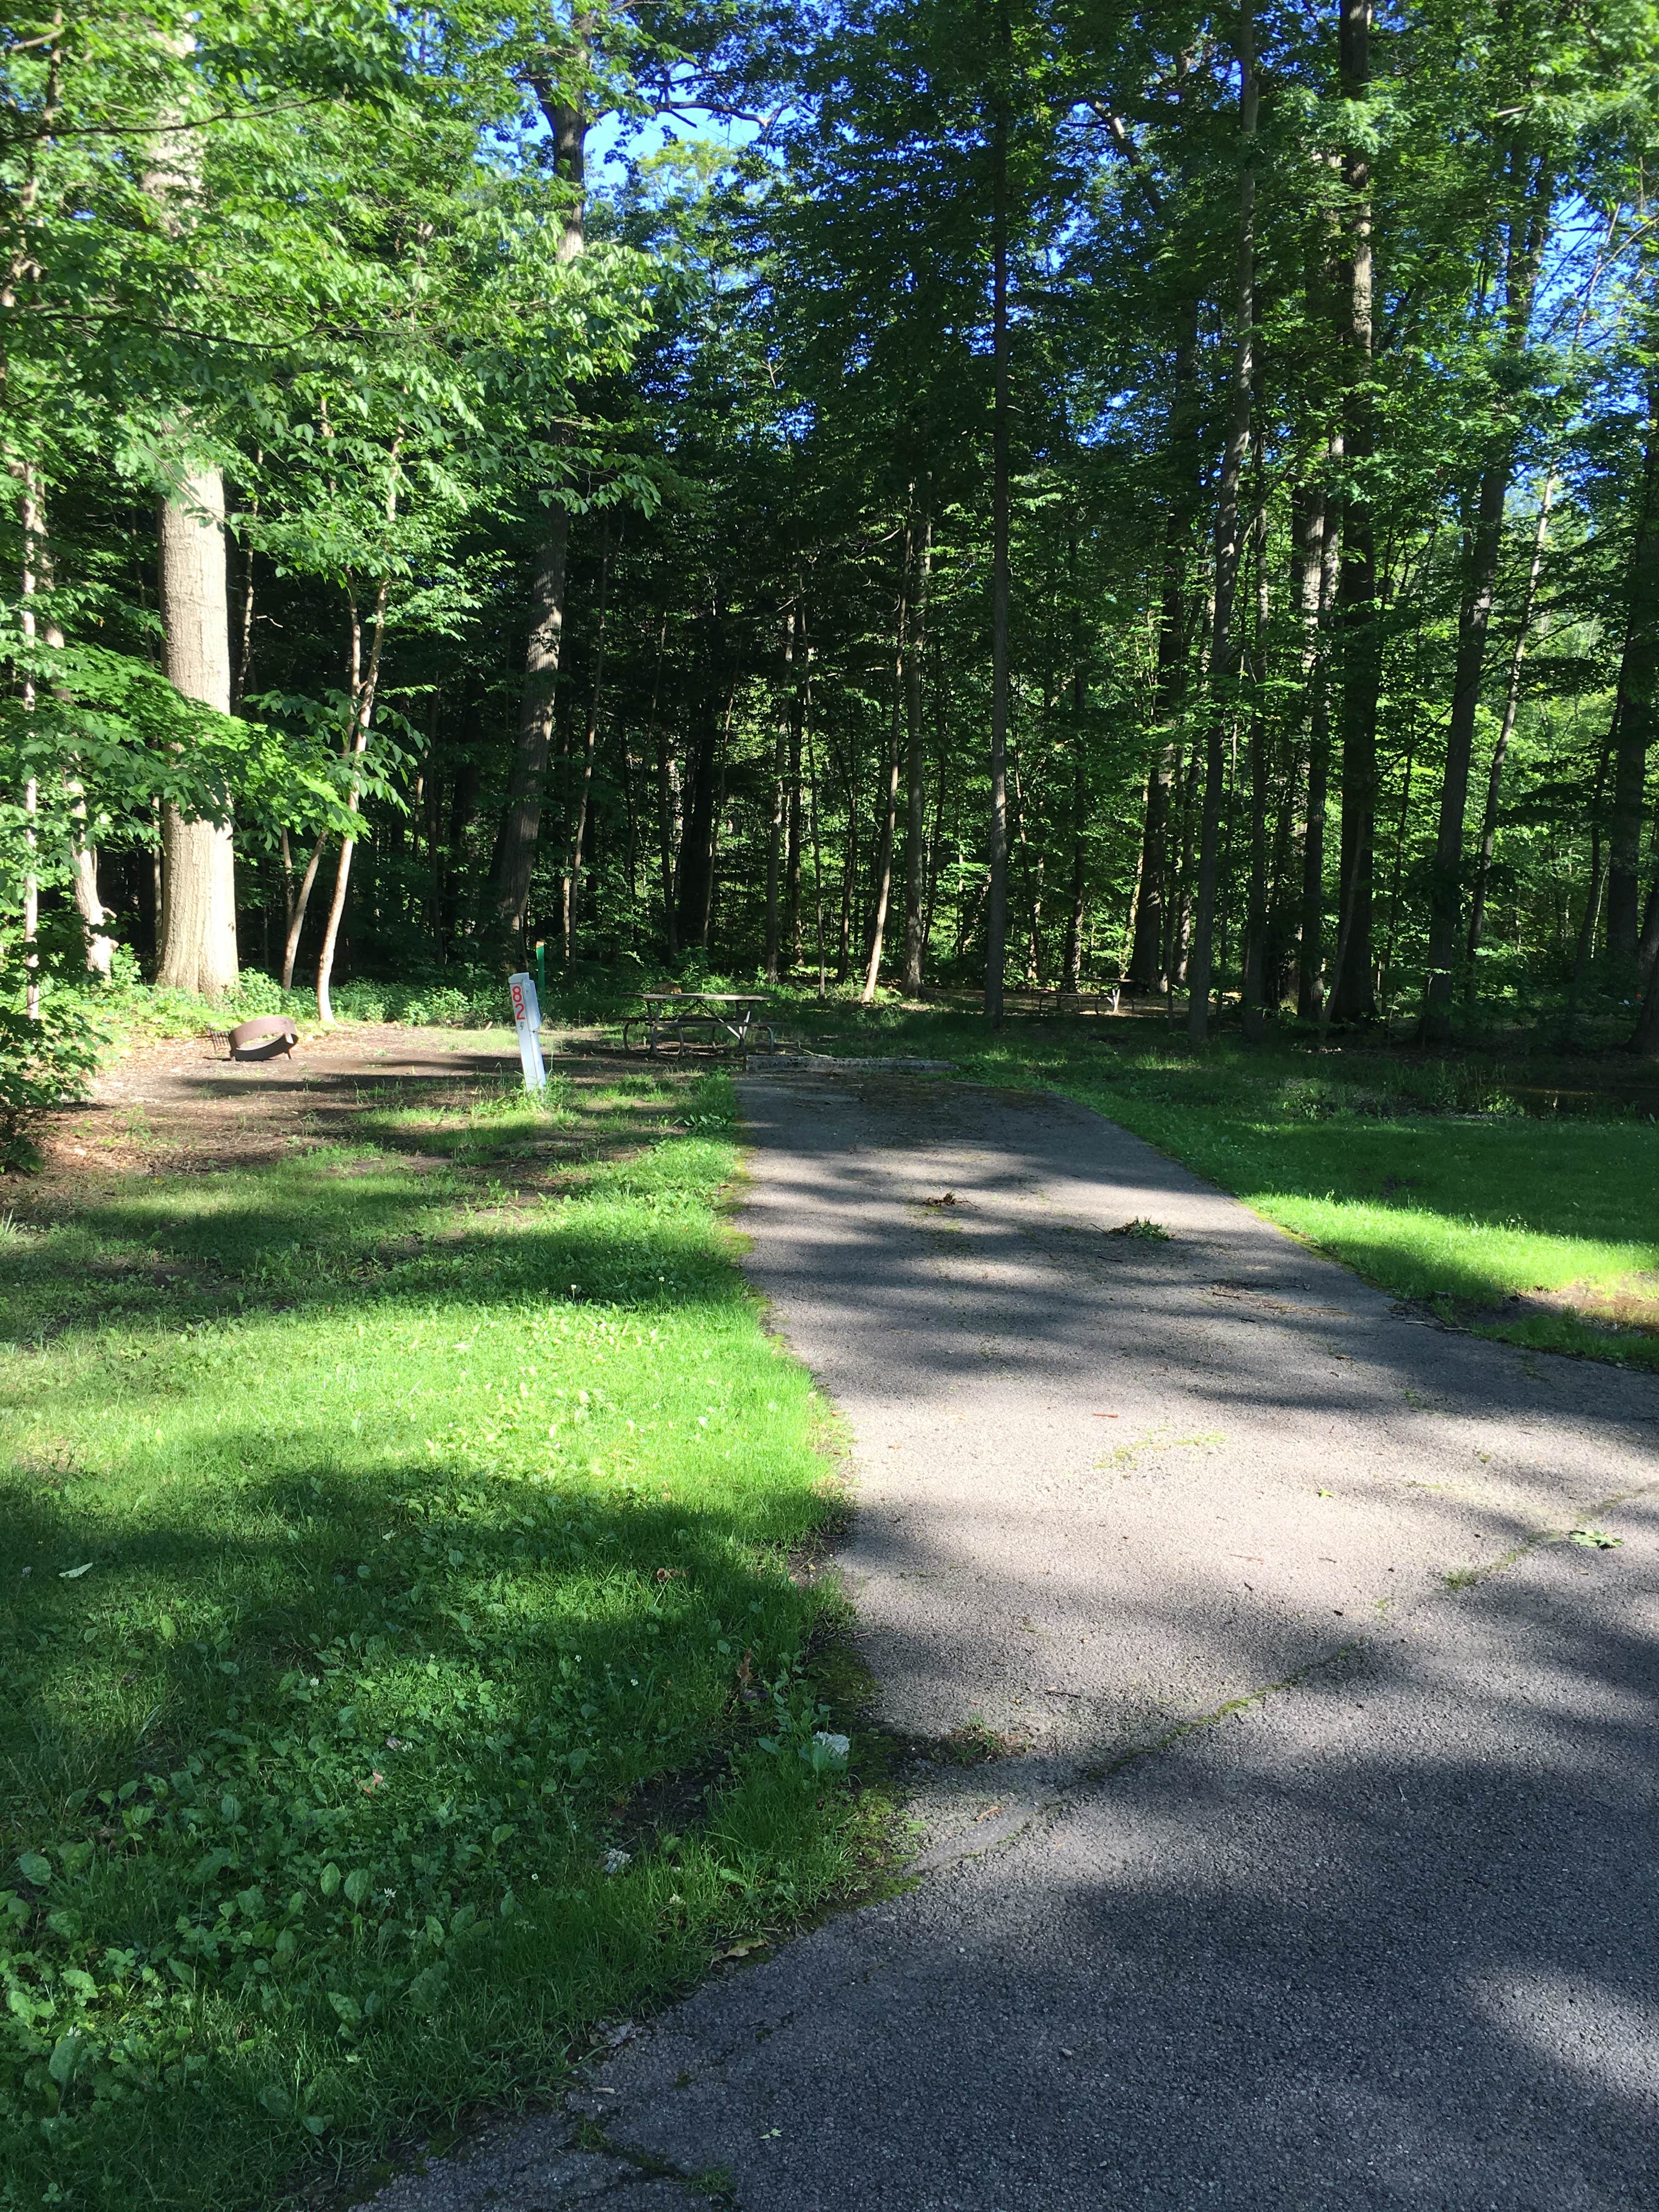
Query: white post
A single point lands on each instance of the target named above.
(527, 1020)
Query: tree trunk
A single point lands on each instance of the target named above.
(915, 775)
(695, 876)
(996, 928)
(1071, 966)
(515, 857)
(1352, 992)
(1185, 463)
(1638, 701)
(198, 950)
(297, 904)
(1525, 235)
(590, 743)
(1593, 896)
(790, 954)
(1223, 650)
(1253, 994)
(365, 686)
(1317, 564)
(1500, 749)
(887, 819)
(775, 841)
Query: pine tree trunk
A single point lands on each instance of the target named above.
(198, 947)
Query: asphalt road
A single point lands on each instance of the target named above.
(1326, 1876)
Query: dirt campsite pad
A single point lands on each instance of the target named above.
(1320, 1645)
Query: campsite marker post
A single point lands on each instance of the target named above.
(527, 1020)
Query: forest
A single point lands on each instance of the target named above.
(1000, 495)
(1104, 560)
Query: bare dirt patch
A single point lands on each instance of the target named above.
(181, 1106)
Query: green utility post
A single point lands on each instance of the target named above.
(541, 969)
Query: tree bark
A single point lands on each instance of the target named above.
(915, 765)
(515, 859)
(790, 952)
(775, 841)
(1353, 989)
(1185, 466)
(1222, 650)
(590, 745)
(1486, 541)
(996, 928)
(1071, 965)
(1637, 701)
(298, 903)
(1500, 748)
(887, 818)
(198, 950)
(1253, 994)
(365, 687)
(1318, 559)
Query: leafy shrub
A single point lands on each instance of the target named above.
(43, 1064)
(255, 994)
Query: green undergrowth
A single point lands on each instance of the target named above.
(1461, 1180)
(402, 1668)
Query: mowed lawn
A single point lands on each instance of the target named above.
(1436, 1209)
(402, 1671)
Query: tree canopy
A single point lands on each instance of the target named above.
(997, 494)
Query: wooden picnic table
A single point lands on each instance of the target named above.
(724, 1019)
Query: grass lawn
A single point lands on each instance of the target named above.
(1446, 1180)
(395, 1537)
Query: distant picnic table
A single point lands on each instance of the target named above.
(722, 1019)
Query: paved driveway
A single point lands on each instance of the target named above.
(1325, 1874)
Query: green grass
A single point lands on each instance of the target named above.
(386, 1541)
(1428, 1176)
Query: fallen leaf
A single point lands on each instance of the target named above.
(73, 1574)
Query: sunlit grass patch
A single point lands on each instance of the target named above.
(388, 1549)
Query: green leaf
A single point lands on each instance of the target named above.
(35, 1867)
(329, 1881)
(66, 2057)
(428, 1988)
(356, 1885)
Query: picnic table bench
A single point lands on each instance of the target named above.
(723, 1020)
